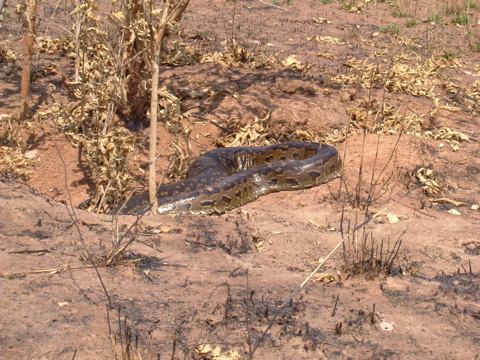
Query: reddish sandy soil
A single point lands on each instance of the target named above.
(190, 280)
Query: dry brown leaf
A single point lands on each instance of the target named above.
(325, 277)
(249, 135)
(292, 62)
(426, 178)
(448, 201)
(326, 39)
(326, 55)
(216, 353)
(321, 21)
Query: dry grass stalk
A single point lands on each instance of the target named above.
(128, 345)
(365, 256)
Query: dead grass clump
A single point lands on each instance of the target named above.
(9, 132)
(405, 73)
(239, 54)
(252, 134)
(365, 256)
(127, 344)
(8, 58)
(51, 45)
(380, 118)
(353, 6)
(14, 161)
(177, 53)
(258, 133)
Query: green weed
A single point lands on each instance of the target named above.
(434, 18)
(5, 14)
(346, 5)
(399, 14)
(411, 23)
(448, 55)
(390, 28)
(461, 19)
(472, 5)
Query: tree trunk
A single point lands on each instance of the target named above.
(156, 46)
(30, 24)
(2, 4)
(152, 170)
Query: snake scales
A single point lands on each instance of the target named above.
(226, 178)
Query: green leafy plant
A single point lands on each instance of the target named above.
(472, 5)
(400, 14)
(346, 5)
(461, 19)
(5, 14)
(411, 23)
(448, 55)
(390, 28)
(434, 18)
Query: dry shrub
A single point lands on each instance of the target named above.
(129, 344)
(112, 80)
(180, 157)
(107, 156)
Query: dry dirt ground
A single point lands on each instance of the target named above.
(187, 283)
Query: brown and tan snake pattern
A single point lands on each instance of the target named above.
(226, 178)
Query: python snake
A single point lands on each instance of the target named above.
(226, 178)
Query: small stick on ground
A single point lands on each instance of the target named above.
(335, 305)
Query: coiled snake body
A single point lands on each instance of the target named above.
(226, 178)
